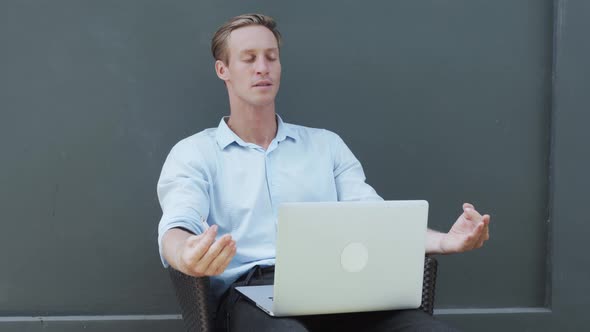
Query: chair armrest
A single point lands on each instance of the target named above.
(192, 294)
(429, 284)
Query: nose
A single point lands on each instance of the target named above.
(262, 66)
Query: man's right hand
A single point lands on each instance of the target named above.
(200, 255)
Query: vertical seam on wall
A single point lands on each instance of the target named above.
(558, 9)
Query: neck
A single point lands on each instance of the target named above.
(256, 125)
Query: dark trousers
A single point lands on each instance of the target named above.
(239, 314)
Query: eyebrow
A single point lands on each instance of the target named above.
(250, 51)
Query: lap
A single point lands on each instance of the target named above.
(245, 316)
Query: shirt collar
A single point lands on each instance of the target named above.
(225, 136)
(285, 130)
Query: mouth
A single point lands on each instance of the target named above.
(263, 83)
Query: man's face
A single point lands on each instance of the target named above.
(253, 71)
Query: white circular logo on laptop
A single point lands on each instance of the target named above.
(354, 257)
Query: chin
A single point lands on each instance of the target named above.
(261, 102)
(265, 104)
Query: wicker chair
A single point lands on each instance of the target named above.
(191, 293)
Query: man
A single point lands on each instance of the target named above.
(220, 189)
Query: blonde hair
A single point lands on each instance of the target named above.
(219, 41)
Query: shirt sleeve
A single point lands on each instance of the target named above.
(349, 175)
(183, 192)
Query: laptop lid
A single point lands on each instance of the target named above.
(337, 257)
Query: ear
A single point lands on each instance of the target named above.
(221, 70)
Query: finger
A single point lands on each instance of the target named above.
(226, 262)
(229, 258)
(208, 234)
(476, 235)
(485, 235)
(470, 242)
(467, 206)
(191, 251)
(472, 214)
(199, 245)
(221, 261)
(486, 221)
(213, 251)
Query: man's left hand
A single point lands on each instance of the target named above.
(470, 231)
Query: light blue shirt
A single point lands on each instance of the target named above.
(215, 176)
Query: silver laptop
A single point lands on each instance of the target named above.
(338, 257)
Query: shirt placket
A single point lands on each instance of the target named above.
(271, 185)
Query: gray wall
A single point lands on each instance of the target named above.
(448, 101)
